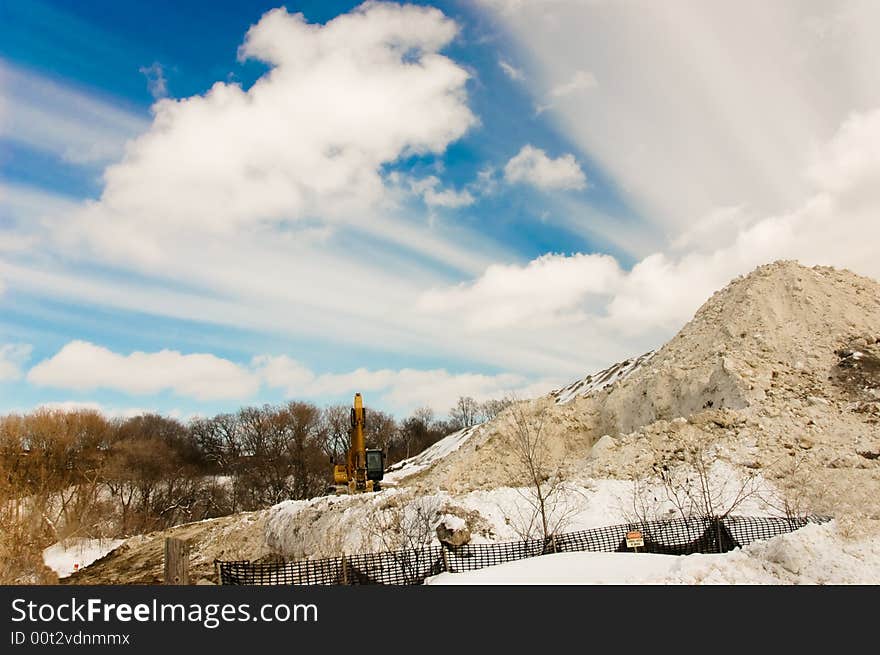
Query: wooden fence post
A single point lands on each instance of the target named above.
(344, 570)
(445, 560)
(176, 561)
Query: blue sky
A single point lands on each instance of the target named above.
(206, 205)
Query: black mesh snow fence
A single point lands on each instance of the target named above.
(407, 567)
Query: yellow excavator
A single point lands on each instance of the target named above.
(363, 468)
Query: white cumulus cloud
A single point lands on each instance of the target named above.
(547, 290)
(83, 366)
(306, 142)
(532, 166)
(434, 195)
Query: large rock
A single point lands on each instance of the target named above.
(452, 531)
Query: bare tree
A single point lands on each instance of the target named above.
(380, 430)
(336, 420)
(549, 506)
(219, 439)
(465, 413)
(492, 408)
(415, 431)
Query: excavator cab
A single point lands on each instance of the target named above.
(375, 466)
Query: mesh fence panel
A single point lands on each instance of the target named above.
(477, 556)
(407, 567)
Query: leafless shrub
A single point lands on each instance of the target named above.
(790, 495)
(549, 507)
(685, 480)
(406, 530)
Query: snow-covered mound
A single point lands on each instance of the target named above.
(815, 554)
(766, 337)
(330, 526)
(601, 380)
(434, 453)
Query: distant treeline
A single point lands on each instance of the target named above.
(79, 473)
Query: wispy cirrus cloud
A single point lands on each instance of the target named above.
(157, 85)
(693, 119)
(514, 73)
(70, 123)
(835, 224)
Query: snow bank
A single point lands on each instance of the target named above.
(331, 525)
(815, 554)
(67, 557)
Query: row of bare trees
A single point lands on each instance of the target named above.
(77, 472)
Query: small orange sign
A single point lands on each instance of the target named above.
(634, 539)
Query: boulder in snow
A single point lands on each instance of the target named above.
(452, 531)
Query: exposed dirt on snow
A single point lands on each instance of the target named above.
(140, 559)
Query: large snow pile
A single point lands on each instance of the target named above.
(67, 557)
(815, 554)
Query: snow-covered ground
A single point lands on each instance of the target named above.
(815, 554)
(331, 525)
(72, 555)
